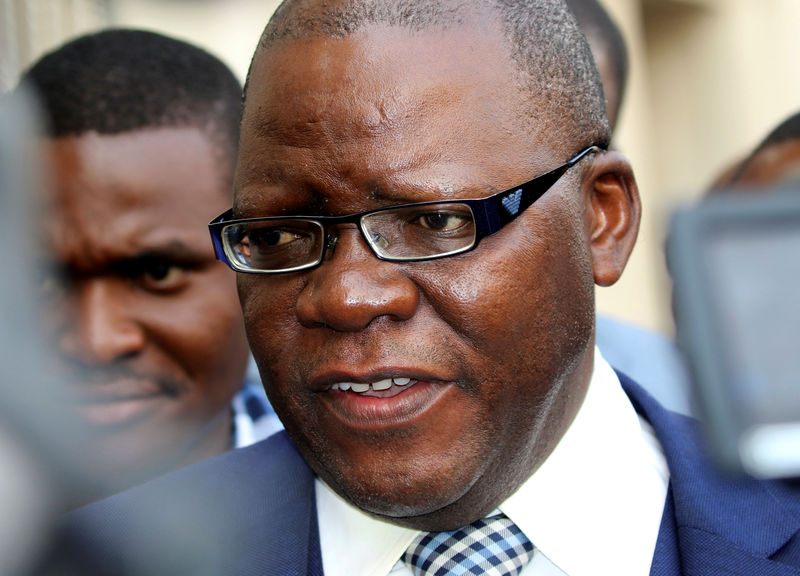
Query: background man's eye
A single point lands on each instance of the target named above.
(162, 275)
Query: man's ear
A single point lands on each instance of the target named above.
(614, 210)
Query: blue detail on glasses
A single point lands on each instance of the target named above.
(511, 202)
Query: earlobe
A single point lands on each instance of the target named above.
(615, 211)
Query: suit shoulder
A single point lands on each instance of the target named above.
(230, 500)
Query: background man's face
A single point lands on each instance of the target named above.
(146, 321)
(488, 351)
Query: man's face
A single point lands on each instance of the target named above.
(486, 355)
(147, 323)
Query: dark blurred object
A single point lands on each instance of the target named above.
(735, 263)
(775, 162)
(40, 444)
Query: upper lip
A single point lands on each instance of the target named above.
(324, 379)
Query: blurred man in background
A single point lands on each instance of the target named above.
(609, 52)
(142, 139)
(774, 162)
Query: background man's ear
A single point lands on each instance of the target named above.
(614, 214)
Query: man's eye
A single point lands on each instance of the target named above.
(442, 221)
(271, 237)
(162, 275)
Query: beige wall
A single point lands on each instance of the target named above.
(228, 28)
(28, 28)
(709, 78)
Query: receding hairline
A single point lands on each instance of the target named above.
(298, 19)
(553, 63)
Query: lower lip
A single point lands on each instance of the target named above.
(374, 413)
(119, 412)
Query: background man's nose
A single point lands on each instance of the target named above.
(98, 327)
(352, 287)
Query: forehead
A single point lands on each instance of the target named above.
(135, 188)
(384, 103)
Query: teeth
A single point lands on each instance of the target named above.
(382, 384)
(360, 388)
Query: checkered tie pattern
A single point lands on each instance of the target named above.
(491, 546)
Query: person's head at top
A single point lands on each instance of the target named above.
(775, 162)
(425, 358)
(142, 132)
(609, 51)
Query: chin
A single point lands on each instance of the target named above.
(425, 503)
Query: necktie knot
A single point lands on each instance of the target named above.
(491, 546)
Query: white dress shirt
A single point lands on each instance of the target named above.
(593, 507)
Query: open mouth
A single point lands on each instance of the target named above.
(384, 388)
(384, 403)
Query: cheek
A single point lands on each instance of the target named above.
(203, 333)
(523, 304)
(268, 308)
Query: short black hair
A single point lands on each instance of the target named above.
(789, 129)
(551, 52)
(120, 80)
(603, 34)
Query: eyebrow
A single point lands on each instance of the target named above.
(309, 201)
(442, 191)
(175, 251)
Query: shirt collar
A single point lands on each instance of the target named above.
(594, 506)
(607, 463)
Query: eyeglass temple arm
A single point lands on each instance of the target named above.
(506, 206)
(491, 216)
(216, 235)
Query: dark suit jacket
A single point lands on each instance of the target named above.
(252, 512)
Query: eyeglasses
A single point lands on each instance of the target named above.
(403, 233)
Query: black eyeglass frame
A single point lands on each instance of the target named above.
(491, 214)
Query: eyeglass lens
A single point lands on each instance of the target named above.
(403, 233)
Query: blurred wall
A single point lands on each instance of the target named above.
(709, 79)
(228, 28)
(29, 28)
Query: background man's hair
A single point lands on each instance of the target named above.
(122, 80)
(787, 130)
(552, 55)
(603, 32)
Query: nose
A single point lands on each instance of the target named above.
(352, 288)
(99, 326)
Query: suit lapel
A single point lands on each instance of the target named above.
(291, 544)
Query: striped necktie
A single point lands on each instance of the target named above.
(491, 546)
